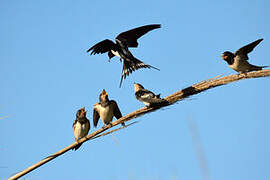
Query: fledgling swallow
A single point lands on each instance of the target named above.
(123, 41)
(238, 61)
(81, 126)
(105, 110)
(146, 96)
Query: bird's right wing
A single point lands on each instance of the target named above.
(95, 116)
(243, 51)
(102, 47)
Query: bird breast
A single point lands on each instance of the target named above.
(80, 130)
(106, 114)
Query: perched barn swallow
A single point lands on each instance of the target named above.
(81, 126)
(238, 61)
(146, 96)
(105, 110)
(123, 41)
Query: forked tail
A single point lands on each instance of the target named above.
(130, 65)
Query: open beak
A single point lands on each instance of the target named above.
(83, 112)
(223, 57)
(104, 92)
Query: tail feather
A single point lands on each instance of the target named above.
(131, 65)
(256, 68)
(156, 101)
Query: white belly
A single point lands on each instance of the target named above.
(106, 114)
(80, 130)
(115, 53)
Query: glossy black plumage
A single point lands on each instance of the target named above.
(130, 37)
(238, 61)
(243, 51)
(123, 41)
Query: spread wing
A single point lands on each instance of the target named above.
(130, 37)
(102, 47)
(117, 113)
(95, 116)
(243, 51)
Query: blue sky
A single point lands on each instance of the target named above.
(46, 76)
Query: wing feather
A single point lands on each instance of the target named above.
(243, 51)
(95, 116)
(102, 47)
(117, 113)
(130, 37)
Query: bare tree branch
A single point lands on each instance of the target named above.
(180, 95)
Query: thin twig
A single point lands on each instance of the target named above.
(180, 95)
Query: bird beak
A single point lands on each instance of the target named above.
(223, 56)
(136, 87)
(104, 92)
(83, 112)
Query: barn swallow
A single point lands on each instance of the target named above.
(81, 126)
(238, 61)
(146, 96)
(123, 41)
(105, 110)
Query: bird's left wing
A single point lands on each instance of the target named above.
(117, 113)
(243, 51)
(130, 37)
(87, 126)
(102, 47)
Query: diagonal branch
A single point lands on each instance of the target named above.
(180, 95)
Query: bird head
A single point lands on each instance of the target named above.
(103, 97)
(81, 113)
(138, 87)
(227, 55)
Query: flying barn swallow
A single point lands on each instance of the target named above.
(146, 96)
(123, 41)
(238, 61)
(81, 126)
(106, 109)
